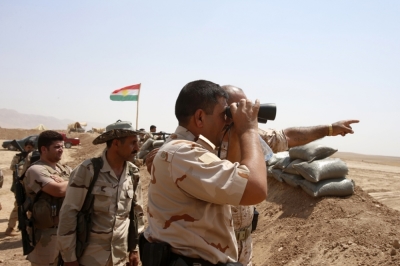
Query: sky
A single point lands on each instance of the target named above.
(318, 61)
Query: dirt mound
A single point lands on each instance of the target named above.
(296, 229)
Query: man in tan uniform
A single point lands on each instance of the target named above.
(45, 183)
(114, 193)
(12, 221)
(277, 140)
(191, 187)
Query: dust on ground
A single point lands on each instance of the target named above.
(293, 228)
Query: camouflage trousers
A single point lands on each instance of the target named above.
(245, 251)
(12, 221)
(49, 264)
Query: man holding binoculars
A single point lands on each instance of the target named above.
(277, 140)
(191, 188)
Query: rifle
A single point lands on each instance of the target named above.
(161, 133)
(84, 217)
(23, 221)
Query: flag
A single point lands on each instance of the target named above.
(129, 93)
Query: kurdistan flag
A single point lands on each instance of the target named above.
(128, 93)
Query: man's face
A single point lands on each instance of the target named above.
(128, 148)
(234, 96)
(215, 123)
(153, 129)
(55, 151)
(28, 148)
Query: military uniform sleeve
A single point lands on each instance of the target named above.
(27, 162)
(76, 193)
(276, 139)
(14, 161)
(37, 177)
(202, 175)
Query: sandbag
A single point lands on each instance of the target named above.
(283, 162)
(292, 180)
(275, 173)
(310, 152)
(277, 156)
(322, 169)
(329, 187)
(290, 169)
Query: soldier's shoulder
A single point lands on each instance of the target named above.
(132, 166)
(86, 163)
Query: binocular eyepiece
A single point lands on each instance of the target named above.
(267, 112)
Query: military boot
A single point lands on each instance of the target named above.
(11, 232)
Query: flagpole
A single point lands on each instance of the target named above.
(137, 109)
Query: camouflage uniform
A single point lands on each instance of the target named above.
(243, 215)
(38, 176)
(108, 241)
(189, 193)
(12, 220)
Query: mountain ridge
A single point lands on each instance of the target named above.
(10, 118)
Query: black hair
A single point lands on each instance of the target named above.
(199, 94)
(109, 142)
(30, 143)
(152, 126)
(47, 137)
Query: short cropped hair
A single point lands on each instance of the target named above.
(199, 94)
(47, 137)
(30, 143)
(152, 126)
(109, 142)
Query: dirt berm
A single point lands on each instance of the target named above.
(293, 228)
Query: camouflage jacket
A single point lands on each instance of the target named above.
(112, 204)
(188, 198)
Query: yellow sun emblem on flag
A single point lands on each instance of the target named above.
(125, 92)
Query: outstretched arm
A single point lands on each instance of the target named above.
(297, 136)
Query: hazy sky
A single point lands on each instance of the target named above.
(319, 61)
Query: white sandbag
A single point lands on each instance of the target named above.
(292, 180)
(277, 156)
(310, 152)
(322, 169)
(329, 187)
(290, 169)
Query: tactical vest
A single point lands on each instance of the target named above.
(46, 208)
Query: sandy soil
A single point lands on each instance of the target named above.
(293, 228)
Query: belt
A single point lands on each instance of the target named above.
(190, 261)
(243, 233)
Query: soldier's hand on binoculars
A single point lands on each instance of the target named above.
(244, 115)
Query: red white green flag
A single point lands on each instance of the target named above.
(128, 93)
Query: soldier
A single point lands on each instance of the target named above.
(12, 221)
(278, 140)
(45, 185)
(115, 191)
(190, 186)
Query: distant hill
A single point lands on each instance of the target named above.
(12, 119)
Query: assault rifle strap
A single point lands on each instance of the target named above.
(97, 165)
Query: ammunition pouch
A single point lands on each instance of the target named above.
(45, 211)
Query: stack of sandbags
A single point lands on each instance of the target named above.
(310, 168)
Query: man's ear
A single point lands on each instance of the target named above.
(43, 149)
(199, 118)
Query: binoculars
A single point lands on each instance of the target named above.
(267, 112)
